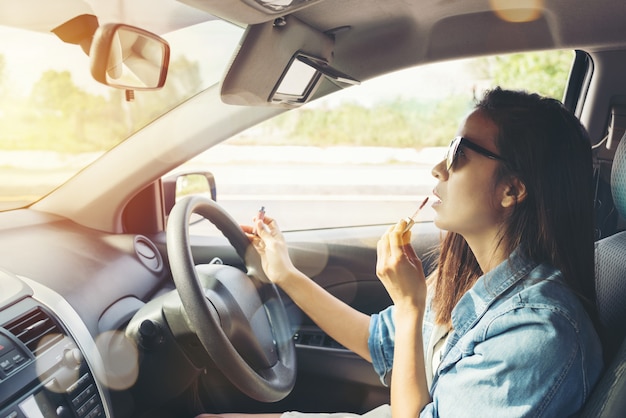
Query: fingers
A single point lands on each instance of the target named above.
(398, 237)
(258, 244)
(247, 229)
(266, 224)
(266, 227)
(263, 229)
(395, 246)
(398, 267)
(389, 251)
(382, 250)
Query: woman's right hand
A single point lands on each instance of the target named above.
(268, 240)
(352, 330)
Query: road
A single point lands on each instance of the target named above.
(354, 186)
(315, 196)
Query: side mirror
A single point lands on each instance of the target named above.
(179, 185)
(127, 57)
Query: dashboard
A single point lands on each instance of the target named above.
(49, 366)
(87, 285)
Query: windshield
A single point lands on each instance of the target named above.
(55, 119)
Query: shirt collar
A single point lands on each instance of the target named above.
(473, 305)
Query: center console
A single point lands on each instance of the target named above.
(44, 371)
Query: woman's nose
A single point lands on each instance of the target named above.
(439, 170)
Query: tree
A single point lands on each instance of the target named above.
(63, 117)
(56, 92)
(545, 73)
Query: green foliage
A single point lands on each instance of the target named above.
(60, 116)
(402, 123)
(539, 72)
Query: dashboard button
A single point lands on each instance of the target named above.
(7, 365)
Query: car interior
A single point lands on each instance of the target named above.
(127, 285)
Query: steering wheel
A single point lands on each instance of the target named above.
(238, 317)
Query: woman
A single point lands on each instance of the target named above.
(505, 325)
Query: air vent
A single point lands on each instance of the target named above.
(36, 330)
(148, 253)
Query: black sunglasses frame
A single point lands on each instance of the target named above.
(459, 141)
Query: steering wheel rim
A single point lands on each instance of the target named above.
(269, 384)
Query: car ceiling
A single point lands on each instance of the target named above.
(439, 30)
(433, 30)
(421, 31)
(569, 23)
(159, 16)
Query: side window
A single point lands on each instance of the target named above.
(364, 155)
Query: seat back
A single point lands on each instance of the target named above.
(609, 396)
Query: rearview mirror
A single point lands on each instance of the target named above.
(127, 57)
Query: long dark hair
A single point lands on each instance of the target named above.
(546, 147)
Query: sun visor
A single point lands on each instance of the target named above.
(280, 63)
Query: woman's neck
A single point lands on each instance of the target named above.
(489, 250)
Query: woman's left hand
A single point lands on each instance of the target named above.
(401, 272)
(400, 269)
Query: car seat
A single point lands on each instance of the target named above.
(608, 398)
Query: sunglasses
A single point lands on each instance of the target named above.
(453, 151)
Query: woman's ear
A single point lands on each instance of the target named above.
(514, 192)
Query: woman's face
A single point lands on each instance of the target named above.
(469, 196)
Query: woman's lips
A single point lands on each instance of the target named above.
(437, 201)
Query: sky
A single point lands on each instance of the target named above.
(24, 51)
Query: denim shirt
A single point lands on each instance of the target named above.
(521, 345)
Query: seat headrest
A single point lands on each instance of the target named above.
(618, 178)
